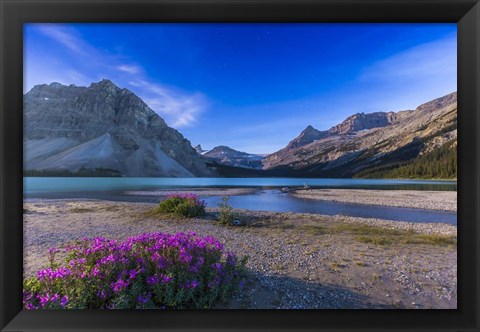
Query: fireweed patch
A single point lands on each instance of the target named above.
(148, 271)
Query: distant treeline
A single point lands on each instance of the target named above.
(82, 172)
(440, 163)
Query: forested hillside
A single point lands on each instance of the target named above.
(440, 163)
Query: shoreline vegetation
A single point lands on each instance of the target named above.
(295, 260)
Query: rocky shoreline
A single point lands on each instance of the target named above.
(198, 191)
(295, 260)
(418, 199)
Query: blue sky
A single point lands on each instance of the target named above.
(253, 87)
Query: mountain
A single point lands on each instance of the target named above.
(363, 143)
(225, 155)
(108, 131)
(199, 149)
(362, 121)
(354, 123)
(72, 128)
(308, 135)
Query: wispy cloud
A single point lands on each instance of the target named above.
(179, 108)
(425, 60)
(131, 69)
(64, 35)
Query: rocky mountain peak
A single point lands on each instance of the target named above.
(362, 121)
(103, 126)
(309, 130)
(352, 124)
(221, 149)
(228, 156)
(441, 102)
(398, 137)
(308, 135)
(199, 149)
(105, 85)
(55, 85)
(53, 91)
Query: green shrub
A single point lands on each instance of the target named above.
(226, 212)
(187, 205)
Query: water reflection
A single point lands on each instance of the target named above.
(273, 200)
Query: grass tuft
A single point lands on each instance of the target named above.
(81, 210)
(314, 229)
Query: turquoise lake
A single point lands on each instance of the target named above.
(44, 184)
(268, 195)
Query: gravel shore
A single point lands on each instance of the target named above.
(429, 200)
(199, 191)
(295, 260)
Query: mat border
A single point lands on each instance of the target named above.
(466, 13)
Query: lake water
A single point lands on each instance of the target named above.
(42, 184)
(267, 197)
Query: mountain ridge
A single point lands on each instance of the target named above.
(350, 148)
(68, 128)
(102, 126)
(225, 155)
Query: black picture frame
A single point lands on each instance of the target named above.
(14, 13)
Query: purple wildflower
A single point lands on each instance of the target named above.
(166, 279)
(214, 283)
(102, 294)
(185, 257)
(64, 301)
(53, 250)
(143, 299)
(241, 284)
(55, 297)
(219, 268)
(193, 269)
(44, 299)
(118, 285)
(30, 306)
(132, 274)
(153, 280)
(155, 258)
(51, 274)
(231, 259)
(95, 272)
(107, 259)
(194, 284)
